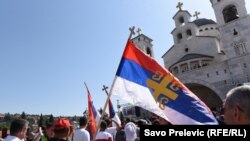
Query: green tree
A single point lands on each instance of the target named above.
(4, 125)
(31, 121)
(7, 117)
(23, 115)
(51, 118)
(41, 121)
(46, 121)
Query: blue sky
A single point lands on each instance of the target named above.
(48, 48)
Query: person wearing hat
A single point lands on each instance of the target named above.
(62, 130)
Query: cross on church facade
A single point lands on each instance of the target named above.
(132, 32)
(138, 31)
(196, 14)
(179, 5)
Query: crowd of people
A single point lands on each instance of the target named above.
(236, 111)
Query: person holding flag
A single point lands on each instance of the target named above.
(116, 122)
(94, 116)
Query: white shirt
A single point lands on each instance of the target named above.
(81, 135)
(103, 136)
(12, 138)
(112, 131)
(130, 131)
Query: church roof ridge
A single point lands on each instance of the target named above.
(203, 21)
(182, 11)
(144, 36)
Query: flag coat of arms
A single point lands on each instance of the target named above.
(143, 82)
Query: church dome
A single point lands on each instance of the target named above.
(201, 22)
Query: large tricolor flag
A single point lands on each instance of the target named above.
(143, 82)
(94, 116)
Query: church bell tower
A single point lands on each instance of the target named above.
(233, 23)
(144, 43)
(228, 10)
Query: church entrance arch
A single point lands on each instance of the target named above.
(207, 95)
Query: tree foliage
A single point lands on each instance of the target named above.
(7, 117)
(51, 118)
(41, 121)
(23, 115)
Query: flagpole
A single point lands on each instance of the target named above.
(132, 32)
(86, 86)
(106, 104)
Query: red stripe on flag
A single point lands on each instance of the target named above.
(131, 52)
(92, 123)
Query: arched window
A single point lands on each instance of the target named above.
(149, 52)
(179, 36)
(175, 70)
(230, 13)
(189, 32)
(181, 20)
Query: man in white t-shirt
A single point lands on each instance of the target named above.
(18, 130)
(103, 135)
(82, 134)
(111, 128)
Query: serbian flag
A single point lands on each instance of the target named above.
(143, 82)
(93, 116)
(112, 115)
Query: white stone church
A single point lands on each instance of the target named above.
(209, 57)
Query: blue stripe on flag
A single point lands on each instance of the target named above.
(111, 110)
(94, 110)
(131, 71)
(184, 104)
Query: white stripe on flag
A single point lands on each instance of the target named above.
(136, 95)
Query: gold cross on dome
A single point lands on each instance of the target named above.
(138, 31)
(179, 5)
(196, 14)
(132, 32)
